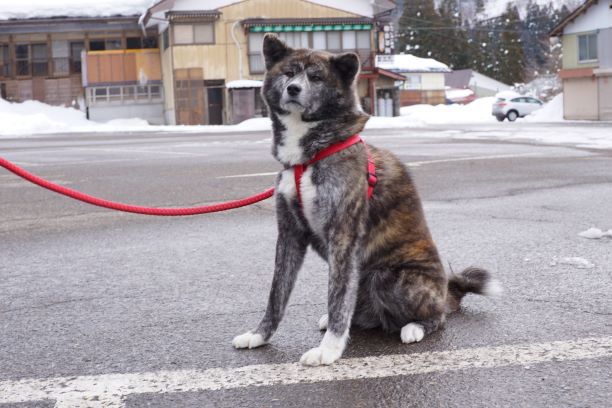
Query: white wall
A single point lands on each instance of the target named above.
(152, 113)
(598, 16)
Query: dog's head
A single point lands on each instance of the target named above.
(315, 84)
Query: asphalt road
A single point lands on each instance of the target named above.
(89, 292)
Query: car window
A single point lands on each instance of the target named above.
(500, 100)
(517, 100)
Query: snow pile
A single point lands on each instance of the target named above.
(458, 95)
(244, 83)
(595, 233)
(574, 261)
(71, 8)
(410, 63)
(550, 112)
(478, 111)
(32, 117)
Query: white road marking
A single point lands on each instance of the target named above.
(458, 159)
(274, 173)
(109, 390)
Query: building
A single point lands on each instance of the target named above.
(586, 35)
(105, 65)
(424, 78)
(480, 84)
(206, 46)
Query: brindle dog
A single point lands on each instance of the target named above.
(384, 269)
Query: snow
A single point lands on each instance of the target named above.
(244, 83)
(455, 94)
(574, 261)
(595, 233)
(507, 94)
(483, 81)
(551, 112)
(495, 8)
(410, 63)
(472, 121)
(71, 8)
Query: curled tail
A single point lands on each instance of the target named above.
(470, 280)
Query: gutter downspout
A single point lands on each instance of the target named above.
(239, 49)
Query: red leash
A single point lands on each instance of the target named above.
(133, 208)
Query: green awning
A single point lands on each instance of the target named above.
(280, 28)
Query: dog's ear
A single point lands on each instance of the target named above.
(347, 66)
(274, 50)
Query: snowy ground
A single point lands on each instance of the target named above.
(35, 118)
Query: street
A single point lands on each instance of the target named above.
(86, 292)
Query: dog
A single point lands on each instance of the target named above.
(384, 268)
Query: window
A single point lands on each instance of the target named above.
(334, 41)
(204, 33)
(587, 47)
(319, 41)
(123, 94)
(166, 39)
(194, 33)
(349, 40)
(75, 56)
(103, 44)
(60, 51)
(149, 42)
(5, 65)
(22, 59)
(40, 60)
(133, 43)
(295, 40)
(363, 40)
(256, 61)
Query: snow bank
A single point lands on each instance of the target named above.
(550, 112)
(478, 111)
(244, 83)
(71, 8)
(410, 63)
(574, 261)
(595, 233)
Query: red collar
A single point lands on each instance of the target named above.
(298, 169)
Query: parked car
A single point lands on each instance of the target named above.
(516, 107)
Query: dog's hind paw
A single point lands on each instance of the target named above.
(323, 322)
(320, 356)
(248, 340)
(412, 333)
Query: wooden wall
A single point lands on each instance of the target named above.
(107, 67)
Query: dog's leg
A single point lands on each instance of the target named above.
(291, 247)
(342, 295)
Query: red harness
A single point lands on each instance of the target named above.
(299, 169)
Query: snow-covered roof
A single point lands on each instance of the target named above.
(410, 63)
(244, 83)
(25, 9)
(483, 81)
(365, 8)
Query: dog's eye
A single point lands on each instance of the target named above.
(315, 78)
(289, 74)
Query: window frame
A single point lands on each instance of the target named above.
(6, 66)
(193, 34)
(589, 58)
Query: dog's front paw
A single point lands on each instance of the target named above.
(248, 340)
(412, 333)
(323, 322)
(320, 356)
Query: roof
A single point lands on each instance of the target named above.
(363, 8)
(46, 9)
(409, 63)
(558, 29)
(459, 79)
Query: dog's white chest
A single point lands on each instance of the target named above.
(308, 193)
(290, 151)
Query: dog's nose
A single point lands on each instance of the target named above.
(294, 89)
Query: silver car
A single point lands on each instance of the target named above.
(516, 107)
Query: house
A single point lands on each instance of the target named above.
(424, 78)
(480, 84)
(586, 35)
(93, 59)
(207, 46)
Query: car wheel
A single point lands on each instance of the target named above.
(512, 115)
(500, 118)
